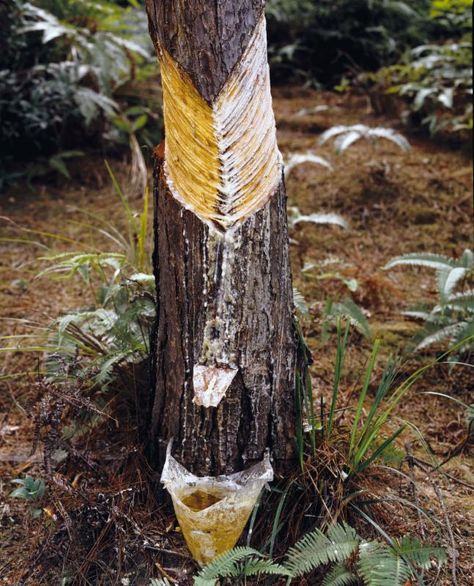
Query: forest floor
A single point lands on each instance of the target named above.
(395, 202)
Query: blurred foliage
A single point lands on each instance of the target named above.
(67, 73)
(414, 53)
(434, 80)
(323, 40)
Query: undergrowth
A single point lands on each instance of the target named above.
(348, 558)
(451, 319)
(72, 75)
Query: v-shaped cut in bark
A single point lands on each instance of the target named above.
(222, 160)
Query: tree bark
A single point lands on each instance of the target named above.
(225, 309)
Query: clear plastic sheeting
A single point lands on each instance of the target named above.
(212, 511)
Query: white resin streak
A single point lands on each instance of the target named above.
(246, 134)
(250, 164)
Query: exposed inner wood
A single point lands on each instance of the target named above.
(222, 160)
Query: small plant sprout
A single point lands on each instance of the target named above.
(295, 159)
(30, 490)
(345, 136)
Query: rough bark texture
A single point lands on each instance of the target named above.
(231, 289)
(206, 37)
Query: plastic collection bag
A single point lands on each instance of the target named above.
(212, 511)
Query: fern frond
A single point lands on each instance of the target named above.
(445, 333)
(316, 549)
(438, 262)
(390, 134)
(295, 159)
(344, 141)
(467, 259)
(449, 278)
(300, 302)
(224, 565)
(424, 315)
(255, 566)
(347, 135)
(160, 582)
(418, 553)
(295, 217)
(463, 301)
(143, 279)
(339, 576)
(379, 566)
(204, 582)
(104, 376)
(466, 335)
(333, 131)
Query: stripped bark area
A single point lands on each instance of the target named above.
(224, 348)
(222, 160)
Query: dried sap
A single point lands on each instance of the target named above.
(217, 519)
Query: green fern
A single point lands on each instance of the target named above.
(379, 566)
(300, 302)
(417, 553)
(451, 319)
(240, 561)
(224, 564)
(316, 549)
(339, 575)
(426, 259)
(345, 136)
(350, 311)
(296, 217)
(253, 567)
(372, 562)
(295, 159)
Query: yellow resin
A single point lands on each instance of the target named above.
(191, 149)
(210, 525)
(222, 159)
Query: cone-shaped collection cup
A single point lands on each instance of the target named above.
(212, 511)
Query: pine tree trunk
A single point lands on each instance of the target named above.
(224, 347)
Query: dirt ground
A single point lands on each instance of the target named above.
(395, 202)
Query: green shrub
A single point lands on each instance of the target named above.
(64, 65)
(434, 82)
(105, 338)
(451, 18)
